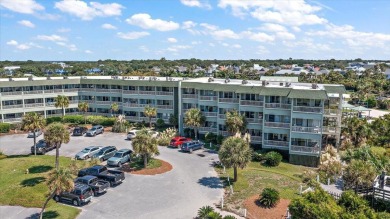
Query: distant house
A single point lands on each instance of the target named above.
(94, 70)
(156, 69)
(60, 71)
(10, 70)
(387, 73)
(295, 71)
(181, 69)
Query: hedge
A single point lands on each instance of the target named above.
(4, 127)
(53, 119)
(77, 119)
(101, 120)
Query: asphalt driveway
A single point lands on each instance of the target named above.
(191, 184)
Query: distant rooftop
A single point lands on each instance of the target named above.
(276, 78)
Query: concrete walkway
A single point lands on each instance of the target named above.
(376, 113)
(17, 212)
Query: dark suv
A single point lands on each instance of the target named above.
(79, 131)
(105, 153)
(42, 147)
(97, 129)
(80, 195)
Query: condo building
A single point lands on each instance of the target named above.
(296, 118)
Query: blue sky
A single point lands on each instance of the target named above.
(204, 29)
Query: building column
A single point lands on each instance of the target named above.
(44, 107)
(179, 109)
(339, 116)
(1, 109)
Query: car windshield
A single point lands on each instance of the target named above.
(173, 140)
(132, 133)
(85, 150)
(93, 129)
(118, 155)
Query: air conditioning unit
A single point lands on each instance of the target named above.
(314, 86)
(244, 82)
(10, 79)
(227, 80)
(264, 83)
(65, 77)
(211, 79)
(30, 78)
(48, 78)
(281, 84)
(288, 84)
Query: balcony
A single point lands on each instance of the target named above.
(164, 93)
(277, 124)
(277, 106)
(132, 118)
(325, 129)
(307, 109)
(33, 92)
(210, 114)
(13, 106)
(71, 90)
(53, 115)
(13, 120)
(223, 133)
(11, 93)
(164, 106)
(49, 91)
(208, 98)
(73, 101)
(251, 103)
(130, 91)
(103, 102)
(147, 92)
(30, 105)
(304, 149)
(222, 116)
(131, 105)
(87, 89)
(254, 121)
(306, 129)
(189, 96)
(228, 100)
(103, 90)
(256, 138)
(331, 112)
(207, 129)
(273, 143)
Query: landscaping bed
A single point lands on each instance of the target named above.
(29, 190)
(255, 210)
(155, 166)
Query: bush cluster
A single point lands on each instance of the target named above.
(166, 136)
(76, 119)
(4, 127)
(101, 120)
(269, 197)
(53, 119)
(160, 123)
(256, 156)
(273, 158)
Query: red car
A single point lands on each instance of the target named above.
(176, 142)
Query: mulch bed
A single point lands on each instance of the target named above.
(165, 167)
(256, 211)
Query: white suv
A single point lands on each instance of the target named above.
(131, 134)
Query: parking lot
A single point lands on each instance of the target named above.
(191, 184)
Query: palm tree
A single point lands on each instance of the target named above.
(33, 122)
(204, 211)
(62, 102)
(145, 145)
(56, 134)
(359, 173)
(83, 107)
(194, 119)
(235, 123)
(58, 180)
(235, 152)
(114, 107)
(150, 112)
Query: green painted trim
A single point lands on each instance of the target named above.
(308, 94)
(249, 89)
(130, 82)
(337, 89)
(273, 91)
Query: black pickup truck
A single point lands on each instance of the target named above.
(98, 186)
(114, 177)
(81, 194)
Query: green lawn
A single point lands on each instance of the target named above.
(255, 177)
(30, 190)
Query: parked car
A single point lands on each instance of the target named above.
(80, 195)
(105, 153)
(97, 129)
(122, 156)
(176, 142)
(114, 177)
(79, 131)
(98, 186)
(191, 146)
(88, 152)
(38, 132)
(133, 133)
(42, 147)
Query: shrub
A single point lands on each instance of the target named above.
(101, 120)
(257, 156)
(220, 139)
(15, 126)
(77, 119)
(120, 124)
(160, 123)
(210, 137)
(165, 137)
(2, 155)
(203, 212)
(4, 127)
(273, 158)
(269, 197)
(53, 119)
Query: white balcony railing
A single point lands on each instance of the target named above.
(325, 129)
(256, 138)
(228, 100)
(71, 90)
(33, 92)
(306, 129)
(207, 129)
(277, 106)
(275, 143)
(103, 102)
(164, 106)
(131, 105)
(210, 114)
(12, 106)
(251, 103)
(132, 118)
(254, 121)
(87, 89)
(224, 133)
(222, 116)
(208, 98)
(102, 90)
(11, 93)
(147, 92)
(130, 91)
(277, 124)
(13, 120)
(189, 96)
(304, 149)
(331, 112)
(307, 109)
(29, 105)
(162, 93)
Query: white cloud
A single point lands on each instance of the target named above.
(212, 44)
(188, 24)
(209, 26)
(176, 48)
(144, 48)
(237, 46)
(285, 36)
(12, 43)
(88, 12)
(293, 12)
(273, 27)
(22, 6)
(296, 29)
(63, 30)
(145, 21)
(108, 26)
(71, 47)
(88, 51)
(132, 35)
(225, 44)
(23, 46)
(196, 3)
(260, 37)
(196, 42)
(226, 33)
(26, 23)
(172, 40)
(261, 50)
(52, 37)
